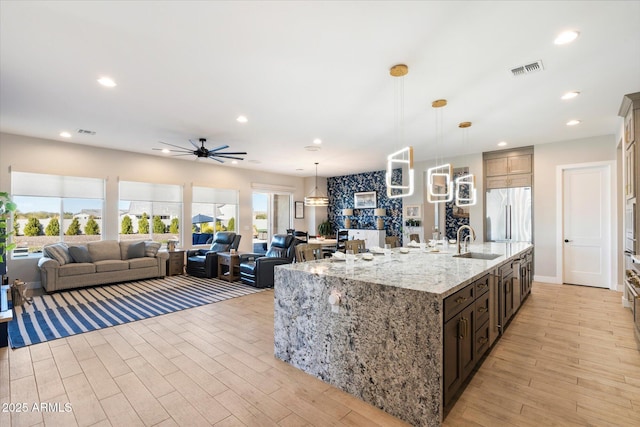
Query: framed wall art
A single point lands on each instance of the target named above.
(364, 200)
(299, 214)
(412, 211)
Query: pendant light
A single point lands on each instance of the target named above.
(465, 184)
(402, 159)
(316, 198)
(439, 184)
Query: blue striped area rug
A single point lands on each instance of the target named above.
(66, 313)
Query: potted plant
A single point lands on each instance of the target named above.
(6, 207)
(324, 228)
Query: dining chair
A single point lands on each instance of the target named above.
(392, 240)
(357, 246)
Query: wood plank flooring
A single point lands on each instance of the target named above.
(568, 358)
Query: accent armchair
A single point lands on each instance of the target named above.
(204, 262)
(257, 269)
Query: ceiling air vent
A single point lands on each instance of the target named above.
(526, 69)
(86, 132)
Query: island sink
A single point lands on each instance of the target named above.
(477, 255)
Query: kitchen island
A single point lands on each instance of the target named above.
(375, 329)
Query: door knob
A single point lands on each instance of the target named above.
(567, 240)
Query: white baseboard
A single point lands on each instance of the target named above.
(625, 302)
(547, 279)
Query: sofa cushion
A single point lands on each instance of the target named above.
(80, 254)
(104, 249)
(136, 250)
(75, 269)
(143, 262)
(59, 252)
(151, 248)
(111, 265)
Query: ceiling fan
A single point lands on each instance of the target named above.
(201, 151)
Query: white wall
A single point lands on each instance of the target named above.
(546, 158)
(28, 154)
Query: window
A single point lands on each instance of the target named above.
(150, 211)
(53, 208)
(213, 210)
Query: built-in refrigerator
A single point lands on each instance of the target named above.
(508, 214)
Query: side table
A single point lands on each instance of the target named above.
(232, 263)
(175, 263)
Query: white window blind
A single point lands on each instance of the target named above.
(145, 191)
(215, 195)
(43, 185)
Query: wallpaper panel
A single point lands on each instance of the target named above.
(341, 190)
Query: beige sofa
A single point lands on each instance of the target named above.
(101, 262)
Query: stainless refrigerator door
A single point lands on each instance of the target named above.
(520, 203)
(497, 214)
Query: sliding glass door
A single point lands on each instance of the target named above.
(271, 215)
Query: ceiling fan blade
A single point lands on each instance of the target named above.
(227, 156)
(195, 144)
(173, 145)
(212, 157)
(242, 153)
(222, 147)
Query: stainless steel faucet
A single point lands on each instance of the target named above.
(472, 235)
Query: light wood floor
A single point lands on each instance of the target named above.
(568, 358)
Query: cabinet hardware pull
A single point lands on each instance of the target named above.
(460, 300)
(483, 309)
(482, 340)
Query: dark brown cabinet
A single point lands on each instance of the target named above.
(175, 263)
(506, 295)
(466, 334)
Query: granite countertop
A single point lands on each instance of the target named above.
(438, 273)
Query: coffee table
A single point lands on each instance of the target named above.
(232, 264)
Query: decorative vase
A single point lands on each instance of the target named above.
(380, 223)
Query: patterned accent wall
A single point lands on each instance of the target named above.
(457, 217)
(341, 190)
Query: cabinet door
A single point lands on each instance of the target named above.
(520, 180)
(497, 182)
(459, 353)
(507, 299)
(519, 164)
(493, 167)
(630, 171)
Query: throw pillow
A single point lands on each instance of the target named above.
(151, 248)
(136, 250)
(80, 254)
(59, 252)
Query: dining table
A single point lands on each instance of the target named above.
(323, 242)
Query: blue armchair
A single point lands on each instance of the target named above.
(257, 269)
(204, 262)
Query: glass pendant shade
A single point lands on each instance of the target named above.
(439, 184)
(403, 160)
(465, 190)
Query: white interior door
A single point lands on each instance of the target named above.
(586, 226)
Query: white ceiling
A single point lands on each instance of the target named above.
(301, 70)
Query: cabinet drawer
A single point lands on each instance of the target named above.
(482, 285)
(482, 310)
(453, 304)
(482, 340)
(506, 269)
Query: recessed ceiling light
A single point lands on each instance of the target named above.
(566, 37)
(317, 141)
(65, 134)
(570, 95)
(502, 143)
(166, 151)
(234, 162)
(299, 169)
(312, 148)
(107, 82)
(242, 119)
(573, 122)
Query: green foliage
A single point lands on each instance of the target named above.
(143, 224)
(261, 215)
(91, 228)
(412, 223)
(324, 228)
(33, 227)
(174, 228)
(206, 228)
(126, 227)
(74, 228)
(158, 225)
(6, 208)
(231, 225)
(53, 228)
